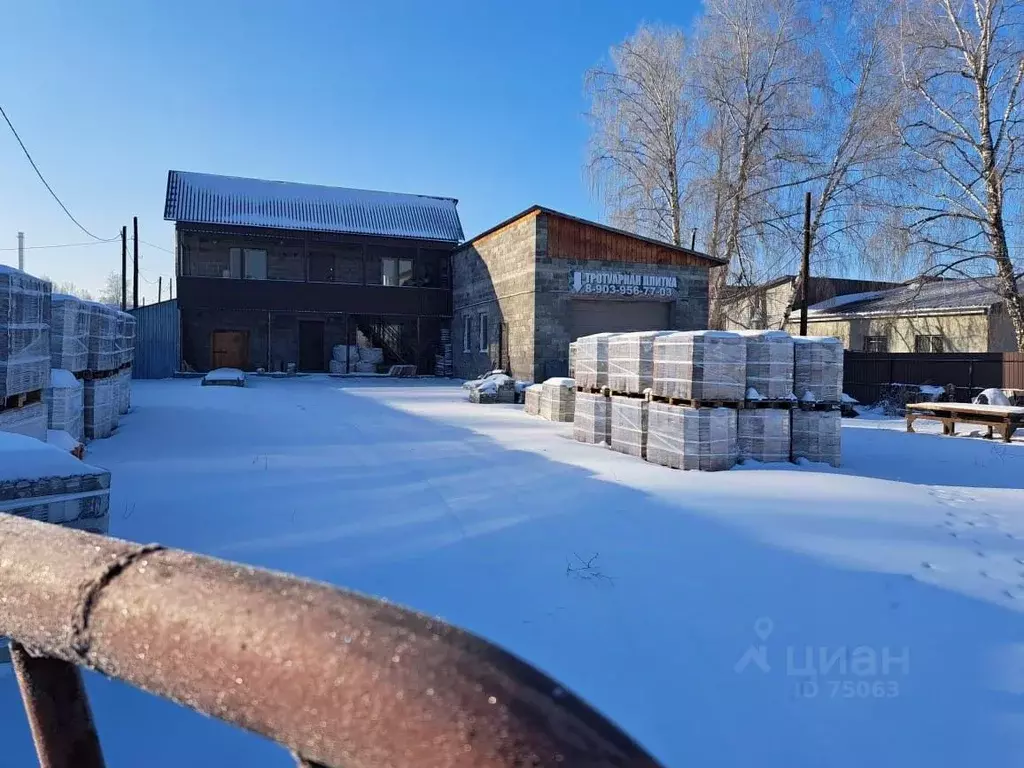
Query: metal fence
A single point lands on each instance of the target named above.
(869, 376)
(337, 678)
(157, 340)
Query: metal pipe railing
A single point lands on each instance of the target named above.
(338, 678)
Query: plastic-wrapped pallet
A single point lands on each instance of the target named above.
(364, 367)
(769, 364)
(700, 365)
(69, 329)
(66, 403)
(763, 434)
(338, 366)
(591, 365)
(629, 425)
(28, 420)
(558, 399)
(100, 407)
(818, 369)
(130, 338)
(682, 437)
(373, 355)
(817, 436)
(592, 418)
(572, 360)
(24, 333)
(36, 480)
(124, 390)
(531, 399)
(631, 361)
(102, 342)
(121, 336)
(339, 352)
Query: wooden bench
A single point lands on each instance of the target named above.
(1007, 418)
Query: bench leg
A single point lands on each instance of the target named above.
(988, 434)
(910, 422)
(952, 427)
(1008, 431)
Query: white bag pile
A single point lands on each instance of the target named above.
(24, 333)
(769, 365)
(764, 434)
(67, 403)
(104, 348)
(591, 421)
(69, 330)
(700, 365)
(629, 425)
(28, 420)
(818, 369)
(100, 407)
(558, 399)
(374, 355)
(531, 399)
(682, 437)
(631, 361)
(591, 364)
(817, 436)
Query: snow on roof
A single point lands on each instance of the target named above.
(920, 296)
(850, 298)
(204, 198)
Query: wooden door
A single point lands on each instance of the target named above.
(311, 345)
(230, 349)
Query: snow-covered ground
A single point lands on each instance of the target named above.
(682, 604)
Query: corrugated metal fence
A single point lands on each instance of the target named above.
(157, 340)
(868, 376)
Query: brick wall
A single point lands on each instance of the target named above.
(495, 276)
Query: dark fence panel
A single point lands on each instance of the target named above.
(157, 340)
(868, 376)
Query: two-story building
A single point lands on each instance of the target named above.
(271, 273)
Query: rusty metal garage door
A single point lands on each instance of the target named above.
(596, 316)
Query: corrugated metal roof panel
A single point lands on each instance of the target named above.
(204, 198)
(966, 293)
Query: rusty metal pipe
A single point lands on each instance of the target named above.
(338, 678)
(58, 711)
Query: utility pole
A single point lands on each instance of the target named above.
(135, 253)
(805, 266)
(21, 251)
(170, 288)
(159, 288)
(124, 269)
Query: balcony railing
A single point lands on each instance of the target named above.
(337, 678)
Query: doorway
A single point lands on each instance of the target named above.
(311, 345)
(229, 349)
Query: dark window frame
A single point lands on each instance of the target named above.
(484, 333)
(935, 343)
(876, 343)
(467, 333)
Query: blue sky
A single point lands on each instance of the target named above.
(477, 100)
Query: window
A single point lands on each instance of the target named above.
(395, 271)
(250, 262)
(876, 343)
(321, 267)
(928, 344)
(483, 332)
(467, 333)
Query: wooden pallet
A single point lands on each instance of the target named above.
(820, 406)
(693, 402)
(97, 375)
(631, 395)
(21, 399)
(594, 390)
(773, 404)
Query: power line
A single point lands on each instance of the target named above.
(158, 247)
(61, 245)
(42, 179)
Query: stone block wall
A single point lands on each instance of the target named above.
(494, 276)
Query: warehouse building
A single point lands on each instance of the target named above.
(271, 273)
(528, 286)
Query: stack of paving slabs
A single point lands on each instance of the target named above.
(629, 425)
(817, 369)
(100, 411)
(682, 437)
(45, 483)
(817, 436)
(69, 330)
(572, 360)
(631, 361)
(28, 420)
(591, 364)
(558, 399)
(24, 333)
(128, 339)
(66, 401)
(531, 399)
(764, 434)
(103, 343)
(591, 421)
(700, 365)
(769, 364)
(124, 390)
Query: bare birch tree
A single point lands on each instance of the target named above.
(640, 120)
(963, 66)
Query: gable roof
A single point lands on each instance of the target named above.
(713, 261)
(919, 297)
(205, 198)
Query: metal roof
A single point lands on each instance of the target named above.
(204, 198)
(939, 295)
